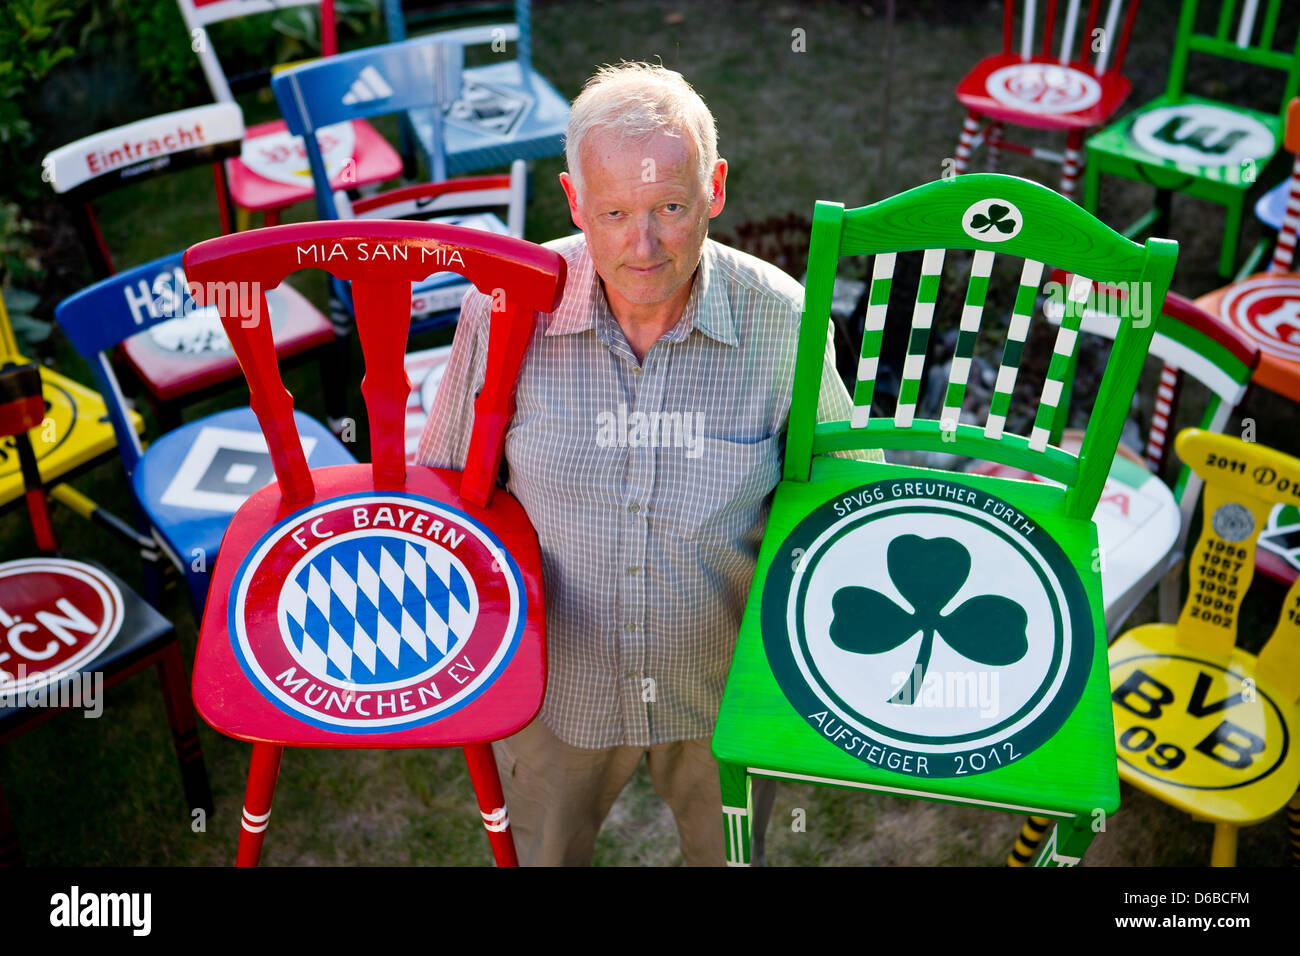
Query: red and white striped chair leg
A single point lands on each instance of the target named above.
(1073, 163)
(491, 802)
(968, 130)
(994, 140)
(1166, 393)
(263, 770)
(1284, 254)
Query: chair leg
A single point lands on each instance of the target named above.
(736, 816)
(185, 734)
(994, 140)
(263, 770)
(1224, 851)
(1073, 163)
(968, 130)
(491, 802)
(1170, 586)
(764, 799)
(1067, 843)
(1031, 837)
(1293, 829)
(271, 217)
(10, 855)
(1091, 184)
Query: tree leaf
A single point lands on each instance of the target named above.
(989, 629)
(867, 622)
(928, 572)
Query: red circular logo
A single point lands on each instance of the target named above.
(1267, 308)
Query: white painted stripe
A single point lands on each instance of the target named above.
(257, 817)
(1031, 273)
(1108, 38)
(948, 419)
(960, 373)
(1196, 365)
(1247, 24)
(970, 317)
(1006, 380)
(883, 268)
(912, 366)
(903, 417)
(734, 863)
(983, 263)
(1038, 439)
(1050, 155)
(1165, 392)
(867, 368)
(1052, 393)
(1071, 24)
(1065, 339)
(860, 415)
(876, 316)
(923, 315)
(927, 794)
(1027, 30)
(932, 262)
(993, 427)
(1018, 328)
(1080, 288)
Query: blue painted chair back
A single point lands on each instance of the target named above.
(114, 309)
(393, 78)
(521, 31)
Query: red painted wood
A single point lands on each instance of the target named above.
(491, 802)
(430, 191)
(263, 770)
(972, 92)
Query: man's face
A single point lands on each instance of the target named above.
(645, 214)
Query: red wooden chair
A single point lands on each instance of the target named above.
(380, 605)
(72, 627)
(271, 173)
(1027, 85)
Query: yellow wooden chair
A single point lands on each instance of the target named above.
(75, 434)
(1201, 724)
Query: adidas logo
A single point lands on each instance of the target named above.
(369, 85)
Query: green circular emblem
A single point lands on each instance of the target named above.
(927, 627)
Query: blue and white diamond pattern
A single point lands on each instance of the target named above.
(374, 610)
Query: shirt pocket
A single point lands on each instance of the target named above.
(722, 492)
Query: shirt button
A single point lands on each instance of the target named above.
(632, 569)
(634, 507)
(629, 626)
(636, 370)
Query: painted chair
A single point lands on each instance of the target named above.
(1201, 147)
(379, 605)
(74, 435)
(1142, 523)
(181, 361)
(968, 581)
(1200, 723)
(270, 174)
(501, 111)
(70, 628)
(422, 72)
(1027, 85)
(191, 480)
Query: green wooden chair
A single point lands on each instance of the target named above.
(1201, 147)
(884, 591)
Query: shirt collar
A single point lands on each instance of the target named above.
(584, 306)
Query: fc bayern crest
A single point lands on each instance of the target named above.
(927, 627)
(392, 611)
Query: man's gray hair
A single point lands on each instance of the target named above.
(635, 100)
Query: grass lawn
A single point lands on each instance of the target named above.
(795, 127)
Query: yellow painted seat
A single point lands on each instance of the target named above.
(1201, 724)
(76, 431)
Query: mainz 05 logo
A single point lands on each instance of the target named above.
(927, 628)
(393, 611)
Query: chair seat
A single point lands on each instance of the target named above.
(81, 433)
(504, 114)
(271, 171)
(372, 618)
(1265, 307)
(190, 353)
(1138, 522)
(1271, 208)
(1189, 731)
(425, 370)
(1041, 93)
(193, 479)
(824, 653)
(1172, 143)
(67, 617)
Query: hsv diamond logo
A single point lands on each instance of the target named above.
(392, 610)
(927, 627)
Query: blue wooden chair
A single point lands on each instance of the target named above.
(416, 72)
(189, 482)
(502, 111)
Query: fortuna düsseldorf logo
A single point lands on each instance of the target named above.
(392, 611)
(56, 616)
(1267, 308)
(927, 627)
(1043, 88)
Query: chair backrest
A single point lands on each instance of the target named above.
(104, 314)
(1247, 38)
(381, 259)
(22, 408)
(1086, 40)
(376, 81)
(489, 23)
(113, 158)
(199, 14)
(1243, 482)
(1189, 342)
(985, 213)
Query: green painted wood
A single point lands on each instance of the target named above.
(911, 539)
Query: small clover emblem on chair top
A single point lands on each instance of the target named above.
(928, 572)
(997, 218)
(992, 220)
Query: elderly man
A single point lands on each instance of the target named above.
(647, 439)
